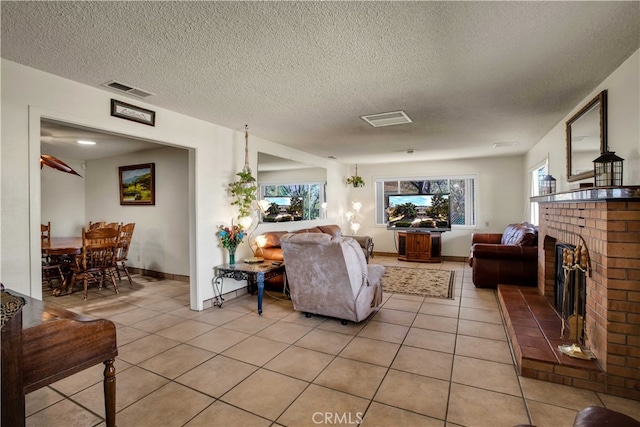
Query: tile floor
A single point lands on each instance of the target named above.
(417, 362)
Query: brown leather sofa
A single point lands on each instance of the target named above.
(272, 250)
(509, 258)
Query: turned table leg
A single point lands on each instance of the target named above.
(110, 393)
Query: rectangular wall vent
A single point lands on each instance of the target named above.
(387, 119)
(129, 90)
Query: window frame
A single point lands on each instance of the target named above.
(535, 173)
(471, 209)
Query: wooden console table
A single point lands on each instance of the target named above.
(50, 344)
(419, 246)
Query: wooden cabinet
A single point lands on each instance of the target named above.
(419, 246)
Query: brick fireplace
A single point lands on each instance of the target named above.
(607, 222)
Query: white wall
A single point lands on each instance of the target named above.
(161, 237)
(63, 199)
(498, 192)
(28, 95)
(623, 93)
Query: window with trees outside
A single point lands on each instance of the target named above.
(292, 202)
(461, 190)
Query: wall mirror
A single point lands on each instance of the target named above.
(293, 191)
(586, 138)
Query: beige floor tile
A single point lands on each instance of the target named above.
(166, 305)
(265, 393)
(218, 316)
(300, 363)
(543, 414)
(87, 378)
(145, 348)
(351, 328)
(131, 386)
(485, 374)
(216, 376)
(170, 405)
(321, 406)
(454, 302)
(186, 330)
(133, 316)
(620, 404)
(255, 350)
(479, 315)
(176, 361)
(379, 415)
(324, 341)
(63, 414)
(218, 340)
(104, 308)
(276, 311)
(244, 304)
(371, 351)
(185, 312)
(431, 340)
(472, 328)
(480, 293)
(480, 304)
(221, 414)
(158, 323)
(40, 399)
(407, 297)
(436, 323)
(419, 361)
(557, 394)
(470, 406)
(395, 303)
(384, 332)
(127, 334)
(249, 324)
(397, 317)
(285, 332)
(353, 377)
(483, 348)
(439, 310)
(426, 396)
(302, 319)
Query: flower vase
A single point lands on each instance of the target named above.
(232, 257)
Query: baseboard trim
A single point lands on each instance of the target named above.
(444, 258)
(158, 274)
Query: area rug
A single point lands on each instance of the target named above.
(419, 281)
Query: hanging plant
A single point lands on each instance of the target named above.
(245, 192)
(245, 189)
(355, 180)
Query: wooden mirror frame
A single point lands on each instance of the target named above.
(600, 99)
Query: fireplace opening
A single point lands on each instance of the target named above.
(570, 292)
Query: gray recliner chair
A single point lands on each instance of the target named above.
(330, 276)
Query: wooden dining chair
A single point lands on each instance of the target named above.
(94, 225)
(97, 260)
(124, 241)
(112, 225)
(50, 265)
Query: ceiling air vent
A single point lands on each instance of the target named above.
(129, 90)
(387, 119)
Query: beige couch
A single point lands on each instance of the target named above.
(329, 276)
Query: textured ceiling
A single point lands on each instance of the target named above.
(469, 74)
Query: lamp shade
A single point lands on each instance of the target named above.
(547, 185)
(608, 170)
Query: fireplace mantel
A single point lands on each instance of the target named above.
(593, 194)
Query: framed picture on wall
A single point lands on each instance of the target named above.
(138, 184)
(131, 112)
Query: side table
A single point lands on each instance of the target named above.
(254, 274)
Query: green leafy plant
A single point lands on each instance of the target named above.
(245, 191)
(356, 181)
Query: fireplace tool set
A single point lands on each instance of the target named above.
(572, 260)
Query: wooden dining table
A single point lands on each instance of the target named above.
(64, 249)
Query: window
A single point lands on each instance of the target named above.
(536, 175)
(292, 202)
(461, 191)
